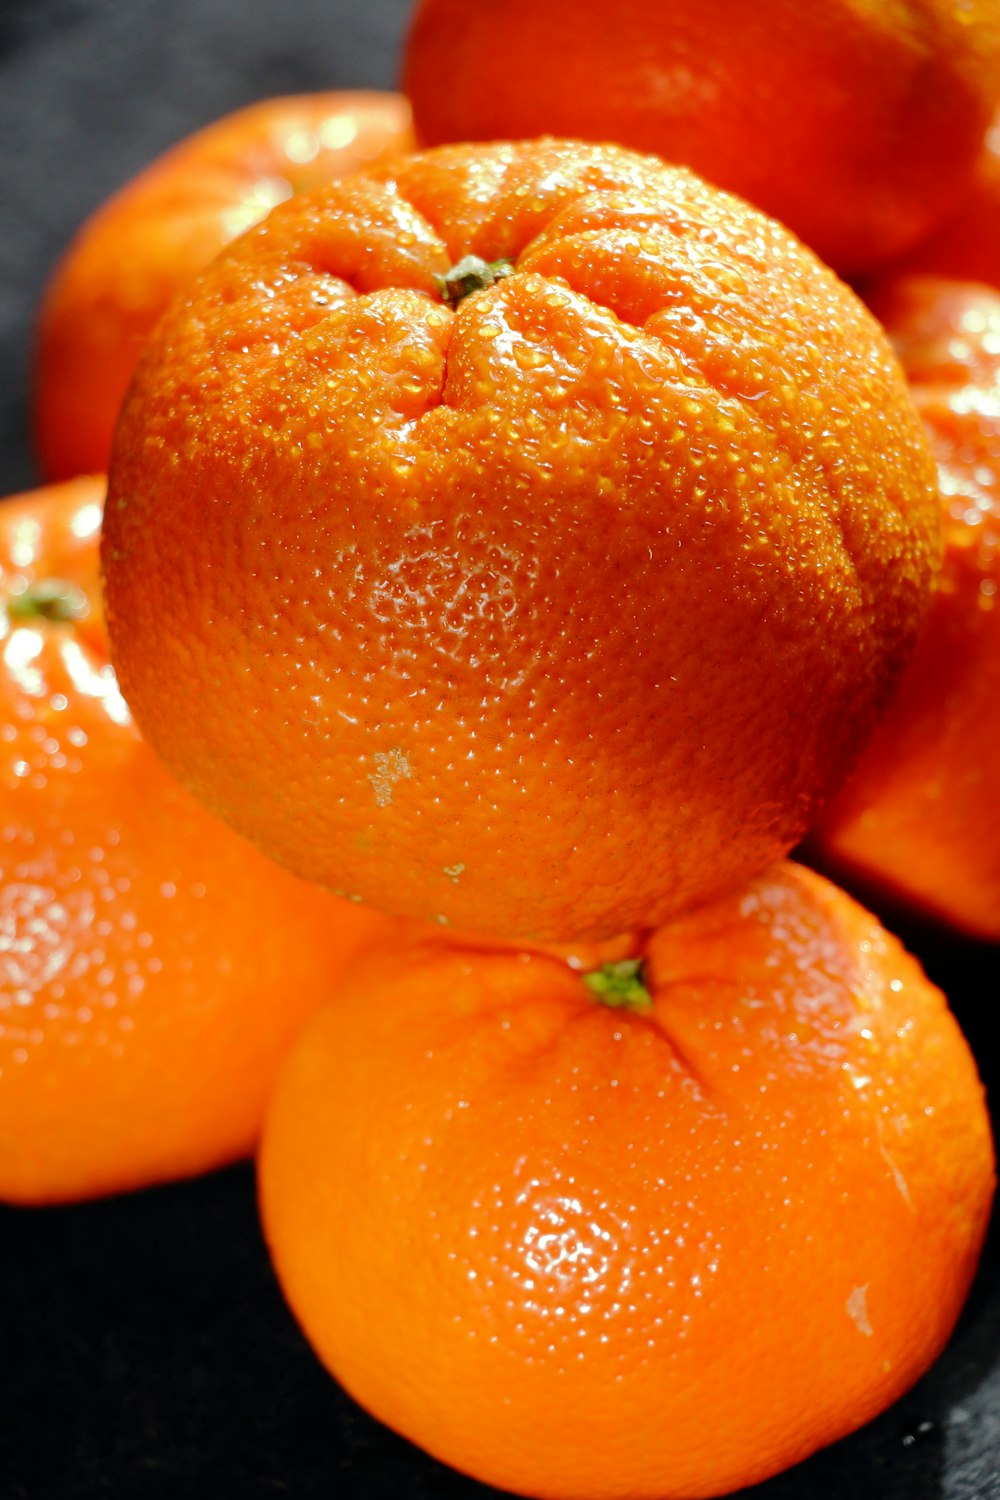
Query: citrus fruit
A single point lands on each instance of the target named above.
(532, 609)
(853, 121)
(656, 1220)
(919, 816)
(966, 245)
(153, 966)
(136, 251)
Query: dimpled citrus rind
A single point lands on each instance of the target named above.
(557, 611)
(580, 1251)
(153, 966)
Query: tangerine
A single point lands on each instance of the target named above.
(153, 966)
(137, 250)
(918, 817)
(856, 124)
(661, 1246)
(530, 609)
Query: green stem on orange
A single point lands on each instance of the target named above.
(49, 599)
(621, 985)
(471, 274)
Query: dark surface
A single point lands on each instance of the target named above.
(145, 1352)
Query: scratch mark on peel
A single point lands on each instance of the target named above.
(452, 872)
(390, 766)
(857, 1310)
(897, 1177)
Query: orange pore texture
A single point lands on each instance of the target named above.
(855, 122)
(581, 1251)
(153, 966)
(145, 243)
(920, 815)
(565, 606)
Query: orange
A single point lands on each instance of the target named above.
(919, 817)
(561, 606)
(580, 1250)
(153, 966)
(967, 244)
(136, 251)
(855, 122)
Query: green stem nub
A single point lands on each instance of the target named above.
(621, 985)
(471, 274)
(49, 599)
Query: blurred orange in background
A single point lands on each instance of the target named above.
(855, 122)
(967, 244)
(146, 243)
(920, 817)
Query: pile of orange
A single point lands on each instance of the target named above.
(531, 538)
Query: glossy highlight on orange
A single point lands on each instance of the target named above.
(153, 966)
(657, 1249)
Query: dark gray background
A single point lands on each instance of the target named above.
(145, 1351)
(91, 90)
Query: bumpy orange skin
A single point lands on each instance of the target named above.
(920, 815)
(855, 122)
(966, 246)
(134, 253)
(567, 605)
(576, 1251)
(153, 966)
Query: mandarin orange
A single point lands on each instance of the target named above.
(532, 611)
(919, 817)
(153, 966)
(855, 122)
(136, 251)
(661, 1246)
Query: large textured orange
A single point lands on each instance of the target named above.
(921, 816)
(136, 251)
(967, 244)
(579, 1251)
(153, 966)
(854, 121)
(563, 606)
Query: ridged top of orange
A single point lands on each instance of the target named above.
(542, 614)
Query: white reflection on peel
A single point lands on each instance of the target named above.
(95, 682)
(568, 1245)
(19, 654)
